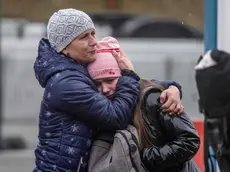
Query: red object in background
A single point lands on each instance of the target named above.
(199, 157)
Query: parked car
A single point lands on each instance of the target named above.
(135, 26)
(112, 19)
(147, 27)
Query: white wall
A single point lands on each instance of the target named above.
(223, 28)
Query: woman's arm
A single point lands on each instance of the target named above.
(73, 96)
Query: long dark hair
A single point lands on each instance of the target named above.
(138, 121)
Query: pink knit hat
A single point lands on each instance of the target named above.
(105, 65)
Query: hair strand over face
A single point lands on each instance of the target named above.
(138, 121)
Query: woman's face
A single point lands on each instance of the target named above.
(83, 48)
(107, 86)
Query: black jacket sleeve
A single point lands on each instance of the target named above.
(182, 140)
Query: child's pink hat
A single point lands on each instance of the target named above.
(105, 65)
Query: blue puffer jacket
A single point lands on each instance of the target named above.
(72, 110)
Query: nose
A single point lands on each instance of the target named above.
(105, 89)
(93, 41)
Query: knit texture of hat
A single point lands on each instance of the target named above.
(65, 25)
(105, 65)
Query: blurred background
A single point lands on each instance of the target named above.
(163, 38)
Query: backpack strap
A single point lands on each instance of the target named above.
(134, 137)
(131, 148)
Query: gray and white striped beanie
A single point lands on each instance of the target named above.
(65, 25)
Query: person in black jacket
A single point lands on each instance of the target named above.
(168, 143)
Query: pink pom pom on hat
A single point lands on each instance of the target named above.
(105, 65)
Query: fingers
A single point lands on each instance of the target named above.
(122, 54)
(181, 110)
(115, 55)
(163, 97)
(171, 109)
(118, 55)
(123, 61)
(170, 104)
(167, 104)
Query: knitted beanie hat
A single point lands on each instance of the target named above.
(105, 65)
(65, 25)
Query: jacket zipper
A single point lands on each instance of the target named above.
(79, 165)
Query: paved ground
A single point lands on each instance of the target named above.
(25, 130)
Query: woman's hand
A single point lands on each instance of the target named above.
(123, 61)
(170, 99)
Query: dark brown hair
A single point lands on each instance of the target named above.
(138, 120)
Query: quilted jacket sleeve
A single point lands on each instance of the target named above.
(182, 141)
(75, 96)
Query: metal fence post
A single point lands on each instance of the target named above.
(1, 140)
(169, 68)
(210, 41)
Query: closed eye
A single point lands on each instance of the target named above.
(83, 36)
(109, 81)
(97, 83)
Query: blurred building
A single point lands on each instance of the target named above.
(188, 11)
